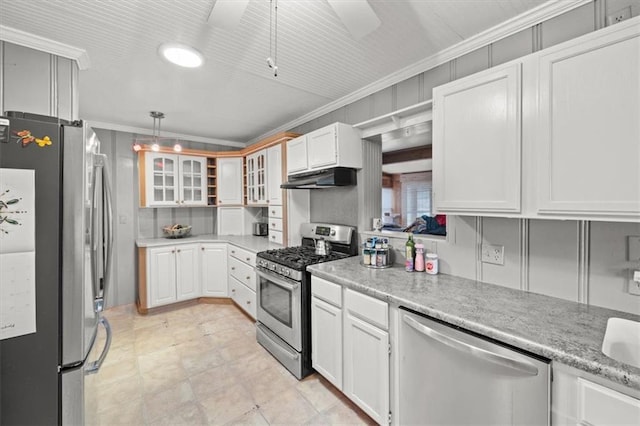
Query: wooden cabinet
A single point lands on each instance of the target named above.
(350, 345)
(256, 165)
(335, 145)
(587, 144)
(477, 142)
(174, 180)
(230, 187)
(326, 330)
(172, 275)
(213, 260)
(242, 279)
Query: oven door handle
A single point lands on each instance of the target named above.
(291, 286)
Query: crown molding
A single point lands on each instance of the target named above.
(165, 135)
(23, 38)
(518, 23)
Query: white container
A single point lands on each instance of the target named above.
(431, 264)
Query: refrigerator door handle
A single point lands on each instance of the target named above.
(101, 165)
(94, 366)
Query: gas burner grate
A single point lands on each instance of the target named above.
(299, 257)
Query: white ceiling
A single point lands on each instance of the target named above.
(235, 95)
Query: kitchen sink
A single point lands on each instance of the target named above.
(622, 341)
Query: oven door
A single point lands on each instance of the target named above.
(279, 306)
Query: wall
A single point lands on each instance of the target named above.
(574, 260)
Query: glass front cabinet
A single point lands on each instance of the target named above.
(175, 180)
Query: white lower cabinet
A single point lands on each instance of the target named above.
(582, 399)
(242, 279)
(172, 274)
(326, 330)
(350, 345)
(213, 259)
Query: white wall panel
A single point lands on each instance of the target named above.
(65, 87)
(458, 256)
(569, 25)
(472, 62)
(27, 80)
(408, 92)
(608, 271)
(503, 232)
(433, 78)
(512, 47)
(553, 258)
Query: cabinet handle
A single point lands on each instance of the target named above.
(248, 259)
(233, 268)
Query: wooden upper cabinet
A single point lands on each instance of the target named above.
(587, 130)
(477, 142)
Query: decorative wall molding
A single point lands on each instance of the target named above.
(584, 248)
(524, 254)
(523, 21)
(23, 38)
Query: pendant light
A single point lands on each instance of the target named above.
(272, 60)
(156, 115)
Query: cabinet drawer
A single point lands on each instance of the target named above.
(275, 224)
(242, 272)
(598, 405)
(374, 311)
(275, 211)
(327, 291)
(243, 255)
(244, 297)
(276, 237)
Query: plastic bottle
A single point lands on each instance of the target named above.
(409, 253)
(419, 262)
(431, 264)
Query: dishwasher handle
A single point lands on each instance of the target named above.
(504, 361)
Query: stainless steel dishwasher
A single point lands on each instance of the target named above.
(451, 377)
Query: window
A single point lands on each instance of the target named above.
(406, 197)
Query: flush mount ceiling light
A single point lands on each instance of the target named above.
(181, 55)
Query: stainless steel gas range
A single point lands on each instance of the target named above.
(284, 293)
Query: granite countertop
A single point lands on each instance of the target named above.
(247, 242)
(567, 332)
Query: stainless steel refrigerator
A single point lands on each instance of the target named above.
(43, 373)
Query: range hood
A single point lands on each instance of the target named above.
(326, 178)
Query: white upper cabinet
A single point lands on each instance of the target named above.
(274, 175)
(588, 131)
(552, 135)
(174, 180)
(229, 181)
(297, 155)
(257, 178)
(477, 142)
(336, 145)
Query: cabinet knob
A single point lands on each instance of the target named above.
(248, 278)
(173, 251)
(233, 290)
(178, 251)
(233, 251)
(233, 268)
(248, 302)
(177, 201)
(248, 259)
(202, 248)
(273, 212)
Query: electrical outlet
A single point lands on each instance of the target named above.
(619, 16)
(493, 254)
(634, 283)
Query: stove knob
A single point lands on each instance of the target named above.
(333, 232)
(272, 267)
(287, 272)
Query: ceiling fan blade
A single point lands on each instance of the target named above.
(226, 14)
(356, 15)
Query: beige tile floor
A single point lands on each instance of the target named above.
(202, 365)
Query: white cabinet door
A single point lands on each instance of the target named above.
(161, 275)
(213, 266)
(193, 180)
(477, 143)
(322, 149)
(297, 155)
(161, 179)
(229, 181)
(366, 367)
(587, 132)
(231, 221)
(326, 340)
(243, 296)
(187, 272)
(274, 175)
(257, 178)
